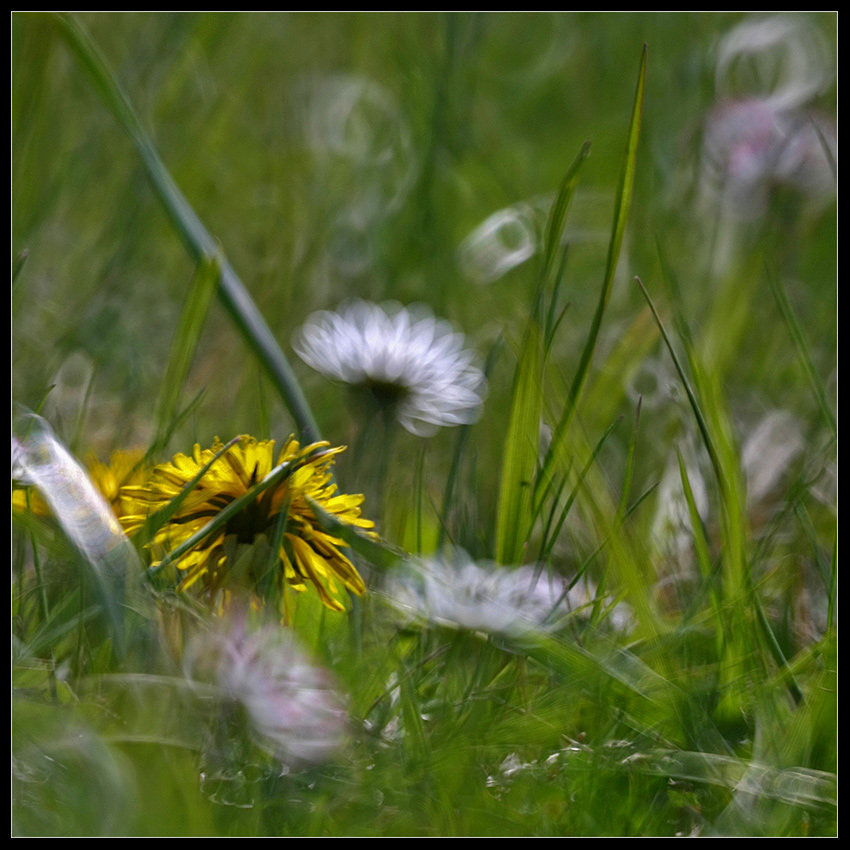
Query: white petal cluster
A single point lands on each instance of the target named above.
(460, 593)
(406, 348)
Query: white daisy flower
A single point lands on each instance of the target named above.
(411, 362)
(460, 593)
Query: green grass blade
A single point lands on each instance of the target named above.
(198, 241)
(804, 351)
(419, 488)
(630, 464)
(204, 284)
(621, 212)
(546, 535)
(462, 439)
(692, 399)
(559, 210)
(640, 500)
(521, 455)
(738, 661)
(701, 548)
(575, 491)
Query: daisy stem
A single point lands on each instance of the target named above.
(42, 598)
(373, 450)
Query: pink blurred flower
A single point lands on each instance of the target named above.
(750, 148)
(296, 713)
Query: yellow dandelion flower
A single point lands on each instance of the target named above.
(307, 553)
(125, 467)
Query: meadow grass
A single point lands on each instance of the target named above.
(654, 312)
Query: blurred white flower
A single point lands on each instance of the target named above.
(295, 712)
(357, 131)
(514, 234)
(412, 363)
(460, 593)
(769, 450)
(783, 61)
(503, 241)
(763, 134)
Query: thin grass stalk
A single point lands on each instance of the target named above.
(692, 399)
(618, 229)
(516, 508)
(630, 464)
(558, 213)
(804, 350)
(462, 438)
(205, 281)
(418, 490)
(577, 488)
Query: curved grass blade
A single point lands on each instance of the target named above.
(559, 210)
(198, 241)
(630, 464)
(551, 539)
(692, 399)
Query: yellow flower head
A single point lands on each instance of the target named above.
(125, 467)
(307, 553)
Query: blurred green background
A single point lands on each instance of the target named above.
(415, 157)
(338, 155)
